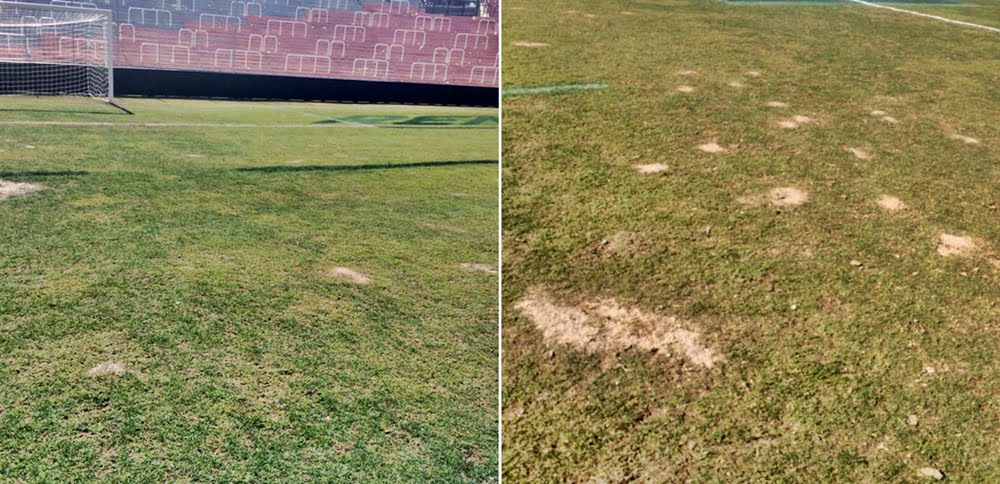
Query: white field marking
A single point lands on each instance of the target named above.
(926, 15)
(341, 124)
(534, 45)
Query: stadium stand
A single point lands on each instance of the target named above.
(420, 41)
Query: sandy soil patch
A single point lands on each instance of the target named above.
(606, 326)
(532, 45)
(779, 197)
(487, 268)
(955, 245)
(795, 121)
(14, 189)
(787, 196)
(652, 168)
(965, 139)
(711, 148)
(930, 472)
(878, 113)
(859, 153)
(891, 203)
(685, 88)
(347, 275)
(754, 73)
(776, 104)
(107, 368)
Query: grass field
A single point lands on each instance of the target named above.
(702, 286)
(170, 309)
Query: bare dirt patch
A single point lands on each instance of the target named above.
(930, 472)
(787, 196)
(795, 121)
(779, 197)
(884, 116)
(736, 84)
(487, 268)
(606, 326)
(688, 73)
(711, 148)
(13, 189)
(965, 139)
(651, 168)
(776, 104)
(71, 358)
(622, 243)
(107, 368)
(531, 45)
(754, 73)
(955, 245)
(685, 89)
(859, 153)
(347, 275)
(891, 203)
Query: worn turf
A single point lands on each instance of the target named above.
(170, 309)
(853, 351)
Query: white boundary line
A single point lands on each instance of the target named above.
(927, 15)
(181, 125)
(340, 124)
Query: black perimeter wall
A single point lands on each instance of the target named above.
(218, 85)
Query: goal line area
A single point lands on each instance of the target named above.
(52, 50)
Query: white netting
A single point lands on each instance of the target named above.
(54, 50)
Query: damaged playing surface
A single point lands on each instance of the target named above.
(182, 304)
(828, 230)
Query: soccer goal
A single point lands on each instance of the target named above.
(55, 50)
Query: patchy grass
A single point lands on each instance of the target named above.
(835, 319)
(167, 311)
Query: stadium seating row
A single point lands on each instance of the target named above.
(394, 40)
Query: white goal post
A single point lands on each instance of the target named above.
(54, 50)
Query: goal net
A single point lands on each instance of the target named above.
(55, 50)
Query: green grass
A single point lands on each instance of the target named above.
(821, 392)
(195, 256)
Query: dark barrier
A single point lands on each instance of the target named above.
(200, 84)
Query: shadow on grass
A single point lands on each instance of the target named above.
(40, 174)
(374, 166)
